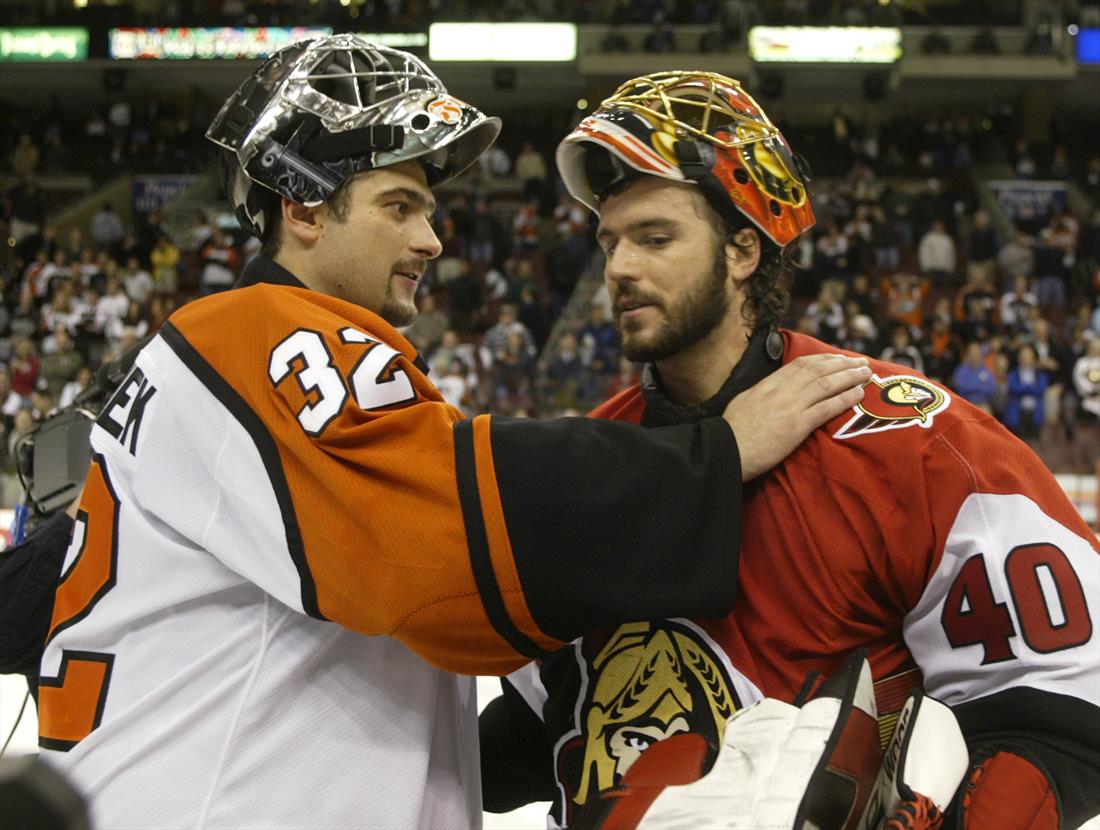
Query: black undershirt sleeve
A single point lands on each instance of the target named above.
(29, 573)
(611, 522)
(516, 754)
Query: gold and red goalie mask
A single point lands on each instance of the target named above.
(695, 127)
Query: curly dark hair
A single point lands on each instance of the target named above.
(767, 290)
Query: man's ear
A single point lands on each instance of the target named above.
(301, 222)
(742, 254)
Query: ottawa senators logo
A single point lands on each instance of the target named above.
(895, 403)
(645, 682)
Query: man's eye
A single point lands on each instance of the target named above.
(401, 207)
(658, 241)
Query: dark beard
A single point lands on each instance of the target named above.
(696, 315)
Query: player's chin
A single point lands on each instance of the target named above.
(398, 312)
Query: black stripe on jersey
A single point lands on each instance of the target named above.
(261, 437)
(477, 541)
(67, 656)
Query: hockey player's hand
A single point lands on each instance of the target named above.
(775, 416)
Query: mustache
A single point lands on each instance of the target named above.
(412, 266)
(625, 294)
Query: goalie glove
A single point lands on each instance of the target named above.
(922, 768)
(779, 766)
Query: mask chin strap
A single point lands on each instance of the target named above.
(696, 162)
(351, 143)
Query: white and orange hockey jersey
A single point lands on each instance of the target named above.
(287, 542)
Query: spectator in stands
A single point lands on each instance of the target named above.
(1040, 39)
(107, 229)
(26, 209)
(61, 365)
(974, 380)
(200, 232)
(452, 252)
(832, 254)
(439, 358)
(1050, 269)
(453, 384)
(74, 243)
(985, 42)
(904, 295)
(513, 365)
(1023, 160)
(1016, 305)
(63, 309)
(1086, 380)
(534, 314)
(976, 308)
(75, 387)
(1027, 385)
(1059, 167)
(936, 254)
(496, 338)
(941, 350)
(465, 297)
(139, 282)
(661, 39)
(902, 351)
(1092, 179)
(24, 158)
(614, 41)
(165, 258)
(10, 400)
(219, 263)
(1057, 361)
(826, 314)
(531, 170)
(112, 306)
(486, 234)
(859, 333)
(599, 343)
(24, 320)
(427, 328)
(1016, 257)
(982, 245)
(862, 293)
(563, 376)
(526, 226)
(884, 240)
(935, 43)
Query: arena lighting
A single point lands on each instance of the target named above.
(512, 42)
(201, 43)
(825, 44)
(47, 43)
(396, 40)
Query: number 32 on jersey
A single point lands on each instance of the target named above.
(376, 381)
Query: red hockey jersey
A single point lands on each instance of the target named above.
(913, 525)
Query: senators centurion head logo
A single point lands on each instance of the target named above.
(895, 402)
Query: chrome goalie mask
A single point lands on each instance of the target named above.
(321, 110)
(695, 127)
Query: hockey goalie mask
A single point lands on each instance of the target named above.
(321, 110)
(692, 127)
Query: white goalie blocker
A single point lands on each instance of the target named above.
(818, 766)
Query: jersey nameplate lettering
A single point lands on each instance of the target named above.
(122, 415)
